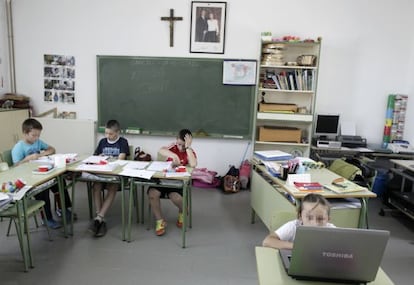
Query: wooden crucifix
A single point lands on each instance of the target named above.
(171, 19)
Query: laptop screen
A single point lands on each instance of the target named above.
(339, 254)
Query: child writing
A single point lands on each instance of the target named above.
(115, 146)
(313, 211)
(32, 148)
(180, 153)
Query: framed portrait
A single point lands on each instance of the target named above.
(208, 27)
(239, 72)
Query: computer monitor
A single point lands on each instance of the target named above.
(327, 126)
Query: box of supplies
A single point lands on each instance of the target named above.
(280, 134)
(275, 107)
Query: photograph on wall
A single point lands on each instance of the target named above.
(239, 72)
(208, 25)
(59, 79)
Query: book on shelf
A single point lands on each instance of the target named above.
(274, 78)
(291, 81)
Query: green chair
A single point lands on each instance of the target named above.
(344, 169)
(33, 207)
(6, 156)
(352, 172)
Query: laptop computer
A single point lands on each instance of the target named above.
(335, 254)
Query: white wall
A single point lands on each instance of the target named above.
(367, 52)
(4, 60)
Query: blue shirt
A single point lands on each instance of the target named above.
(114, 149)
(22, 149)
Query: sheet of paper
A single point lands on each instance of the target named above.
(19, 194)
(140, 173)
(95, 159)
(4, 196)
(98, 167)
(348, 129)
(298, 178)
(136, 164)
(159, 165)
(177, 174)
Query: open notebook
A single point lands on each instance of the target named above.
(335, 254)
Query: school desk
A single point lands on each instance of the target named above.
(272, 196)
(159, 180)
(270, 271)
(75, 171)
(25, 173)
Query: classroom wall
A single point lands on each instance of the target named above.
(367, 52)
(4, 60)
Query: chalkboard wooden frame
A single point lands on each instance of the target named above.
(161, 95)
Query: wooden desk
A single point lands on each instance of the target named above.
(270, 271)
(272, 196)
(24, 172)
(403, 200)
(154, 182)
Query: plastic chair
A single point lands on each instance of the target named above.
(359, 175)
(32, 208)
(6, 156)
(344, 169)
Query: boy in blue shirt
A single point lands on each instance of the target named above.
(32, 148)
(115, 146)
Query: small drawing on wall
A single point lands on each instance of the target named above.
(59, 78)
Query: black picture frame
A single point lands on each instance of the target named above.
(208, 27)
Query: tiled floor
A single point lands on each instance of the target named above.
(220, 248)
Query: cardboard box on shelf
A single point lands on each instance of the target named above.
(280, 134)
(276, 107)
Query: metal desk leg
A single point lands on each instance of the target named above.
(26, 232)
(63, 204)
(73, 199)
(185, 212)
(24, 245)
(131, 195)
(123, 206)
(363, 217)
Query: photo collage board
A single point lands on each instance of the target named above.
(59, 78)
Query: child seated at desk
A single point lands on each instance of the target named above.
(313, 211)
(180, 153)
(31, 148)
(115, 146)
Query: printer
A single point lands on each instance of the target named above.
(352, 141)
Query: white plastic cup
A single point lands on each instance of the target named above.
(60, 161)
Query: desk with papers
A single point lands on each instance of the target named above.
(272, 197)
(133, 174)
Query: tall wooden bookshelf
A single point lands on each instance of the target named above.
(286, 95)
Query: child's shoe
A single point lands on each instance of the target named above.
(179, 222)
(160, 227)
(52, 224)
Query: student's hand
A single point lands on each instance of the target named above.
(175, 160)
(33, 156)
(188, 139)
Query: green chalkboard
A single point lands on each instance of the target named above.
(161, 95)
